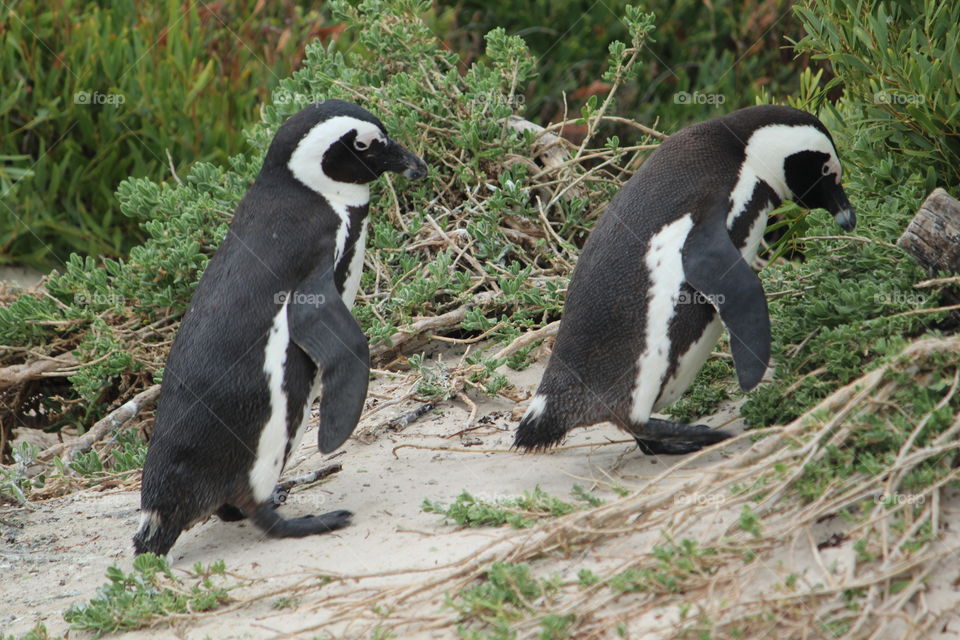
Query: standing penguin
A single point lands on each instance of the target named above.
(667, 263)
(269, 330)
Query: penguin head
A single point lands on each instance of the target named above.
(813, 176)
(793, 151)
(333, 144)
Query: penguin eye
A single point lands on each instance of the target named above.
(826, 170)
(360, 145)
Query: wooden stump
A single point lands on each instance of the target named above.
(933, 236)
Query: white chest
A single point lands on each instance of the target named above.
(351, 283)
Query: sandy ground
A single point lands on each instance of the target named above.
(18, 276)
(55, 555)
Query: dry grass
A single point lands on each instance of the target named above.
(737, 583)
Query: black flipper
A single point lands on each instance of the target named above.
(323, 327)
(713, 266)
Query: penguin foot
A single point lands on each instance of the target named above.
(657, 436)
(231, 513)
(276, 526)
(655, 447)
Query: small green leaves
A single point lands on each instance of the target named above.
(519, 513)
(150, 592)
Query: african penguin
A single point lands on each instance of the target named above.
(667, 263)
(269, 330)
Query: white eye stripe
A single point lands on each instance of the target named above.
(365, 138)
(306, 161)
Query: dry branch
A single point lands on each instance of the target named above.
(18, 374)
(114, 420)
(313, 476)
(526, 339)
(425, 325)
(723, 587)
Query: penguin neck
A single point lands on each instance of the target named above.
(350, 216)
(751, 201)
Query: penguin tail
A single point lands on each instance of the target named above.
(540, 427)
(155, 535)
(276, 526)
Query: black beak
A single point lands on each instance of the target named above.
(402, 161)
(847, 219)
(842, 210)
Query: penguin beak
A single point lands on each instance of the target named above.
(842, 210)
(847, 219)
(404, 162)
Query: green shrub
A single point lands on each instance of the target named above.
(701, 53)
(895, 125)
(96, 93)
(147, 594)
(119, 316)
(899, 66)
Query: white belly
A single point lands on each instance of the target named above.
(662, 292)
(755, 235)
(351, 283)
(272, 446)
(664, 264)
(298, 437)
(689, 365)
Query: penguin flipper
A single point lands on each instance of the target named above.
(713, 266)
(323, 327)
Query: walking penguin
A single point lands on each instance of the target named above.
(269, 330)
(667, 263)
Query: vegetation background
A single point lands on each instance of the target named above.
(128, 132)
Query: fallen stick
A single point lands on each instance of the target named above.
(313, 476)
(282, 490)
(396, 424)
(424, 325)
(404, 420)
(18, 374)
(114, 420)
(528, 338)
